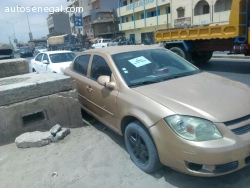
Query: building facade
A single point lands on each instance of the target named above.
(140, 18)
(58, 22)
(85, 5)
(99, 18)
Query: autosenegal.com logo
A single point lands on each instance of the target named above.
(50, 10)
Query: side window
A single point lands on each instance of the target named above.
(99, 67)
(39, 57)
(81, 64)
(45, 57)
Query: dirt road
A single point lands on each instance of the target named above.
(93, 157)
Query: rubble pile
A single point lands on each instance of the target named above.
(39, 139)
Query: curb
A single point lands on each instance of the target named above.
(231, 57)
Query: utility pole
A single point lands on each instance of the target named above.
(30, 34)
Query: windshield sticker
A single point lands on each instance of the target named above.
(139, 61)
(125, 70)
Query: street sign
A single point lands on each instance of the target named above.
(78, 20)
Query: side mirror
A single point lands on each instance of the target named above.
(105, 81)
(45, 62)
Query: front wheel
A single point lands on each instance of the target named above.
(141, 147)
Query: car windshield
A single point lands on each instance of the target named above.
(25, 48)
(62, 57)
(40, 47)
(150, 66)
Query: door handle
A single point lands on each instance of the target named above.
(89, 88)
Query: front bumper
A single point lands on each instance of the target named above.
(207, 158)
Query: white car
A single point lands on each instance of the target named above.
(52, 61)
(39, 49)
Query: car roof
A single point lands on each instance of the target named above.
(120, 49)
(58, 52)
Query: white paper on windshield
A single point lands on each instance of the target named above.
(139, 61)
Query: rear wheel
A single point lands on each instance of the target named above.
(201, 57)
(141, 147)
(181, 52)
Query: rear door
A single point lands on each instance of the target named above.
(37, 63)
(80, 78)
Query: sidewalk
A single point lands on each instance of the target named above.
(225, 56)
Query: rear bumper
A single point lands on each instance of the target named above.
(209, 158)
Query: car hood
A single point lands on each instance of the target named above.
(202, 95)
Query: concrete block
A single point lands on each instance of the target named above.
(12, 67)
(39, 114)
(34, 139)
(55, 129)
(62, 134)
(28, 86)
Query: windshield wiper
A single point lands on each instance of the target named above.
(144, 83)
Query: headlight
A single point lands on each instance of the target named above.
(193, 128)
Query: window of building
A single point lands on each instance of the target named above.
(180, 12)
(167, 10)
(124, 3)
(153, 13)
(205, 9)
(126, 19)
(142, 15)
(99, 67)
(132, 18)
(202, 7)
(81, 64)
(222, 5)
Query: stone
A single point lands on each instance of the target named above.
(62, 134)
(29, 86)
(34, 139)
(12, 67)
(55, 129)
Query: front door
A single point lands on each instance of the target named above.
(132, 38)
(102, 99)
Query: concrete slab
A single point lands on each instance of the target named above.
(12, 67)
(39, 114)
(28, 86)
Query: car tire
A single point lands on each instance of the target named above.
(33, 70)
(141, 147)
(181, 52)
(202, 57)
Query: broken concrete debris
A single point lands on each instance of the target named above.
(55, 129)
(39, 139)
(34, 139)
(62, 134)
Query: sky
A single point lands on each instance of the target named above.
(37, 20)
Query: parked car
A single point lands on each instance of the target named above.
(39, 49)
(26, 51)
(169, 111)
(52, 61)
(101, 43)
